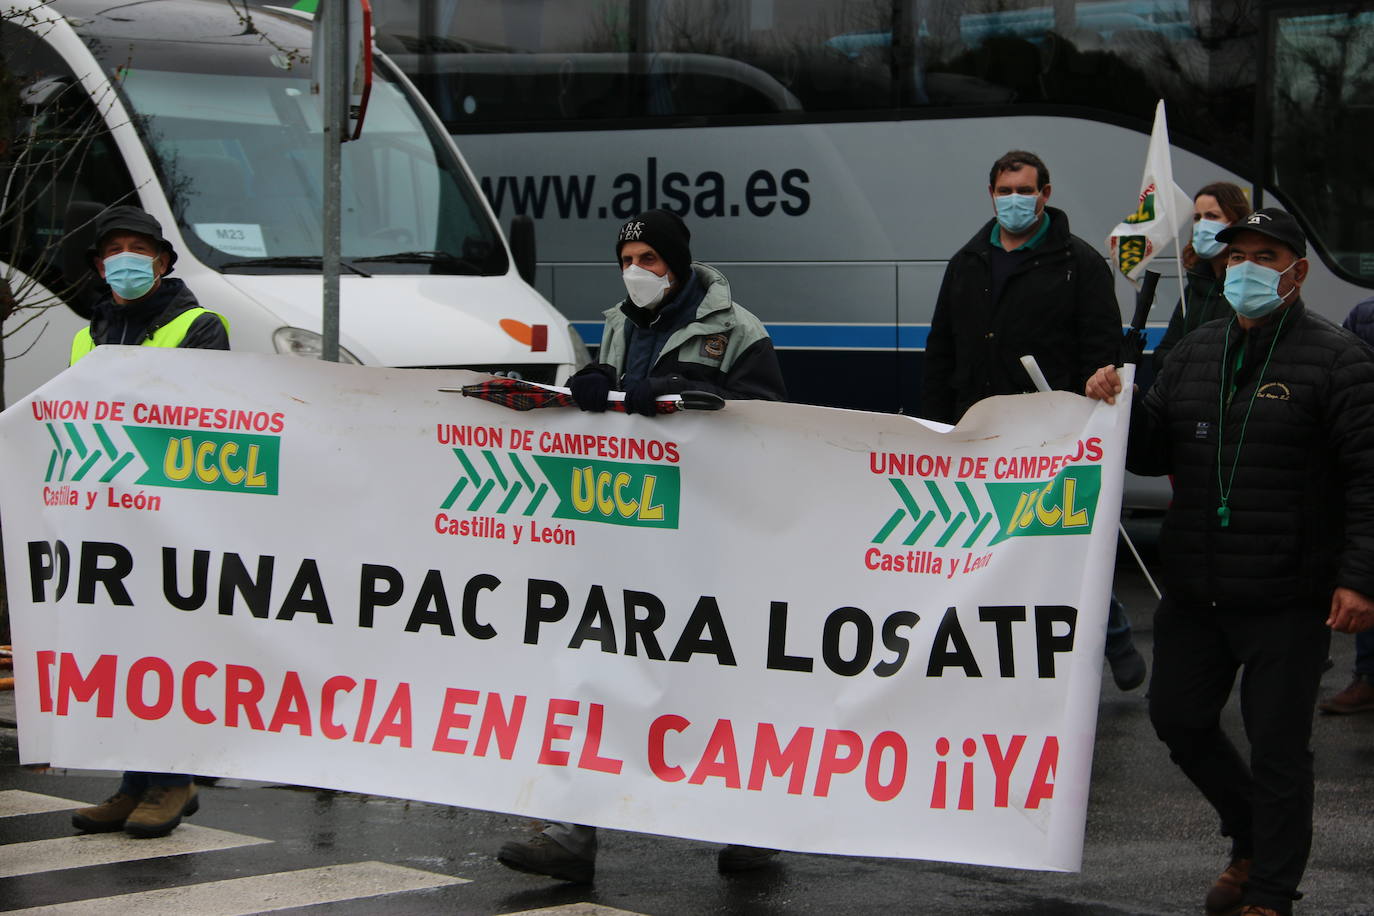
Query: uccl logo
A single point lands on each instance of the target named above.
(181, 458)
(588, 490)
(200, 460)
(1066, 504)
(613, 492)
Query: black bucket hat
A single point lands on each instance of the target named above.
(129, 219)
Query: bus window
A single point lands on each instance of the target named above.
(495, 88)
(1323, 119)
(875, 174)
(588, 60)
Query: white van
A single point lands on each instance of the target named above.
(200, 112)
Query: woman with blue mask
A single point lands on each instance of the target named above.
(1215, 207)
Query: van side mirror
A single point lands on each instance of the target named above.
(78, 234)
(522, 246)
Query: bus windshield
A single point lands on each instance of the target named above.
(239, 156)
(1278, 95)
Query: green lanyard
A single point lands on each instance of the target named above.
(1224, 510)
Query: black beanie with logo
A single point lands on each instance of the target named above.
(665, 233)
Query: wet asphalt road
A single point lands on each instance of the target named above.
(1152, 845)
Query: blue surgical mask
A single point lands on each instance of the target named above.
(130, 274)
(1253, 290)
(1016, 212)
(1205, 238)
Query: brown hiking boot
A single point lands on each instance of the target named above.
(161, 809)
(1226, 893)
(106, 816)
(1358, 697)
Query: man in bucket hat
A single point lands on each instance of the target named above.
(144, 307)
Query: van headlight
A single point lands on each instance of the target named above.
(300, 342)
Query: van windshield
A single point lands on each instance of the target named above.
(240, 159)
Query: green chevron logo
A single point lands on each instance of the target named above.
(106, 456)
(943, 520)
(182, 459)
(513, 484)
(585, 489)
(1064, 505)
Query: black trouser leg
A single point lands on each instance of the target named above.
(1282, 656)
(1266, 807)
(1193, 672)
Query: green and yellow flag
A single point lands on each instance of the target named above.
(1161, 210)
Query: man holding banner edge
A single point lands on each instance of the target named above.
(1266, 421)
(144, 307)
(677, 330)
(1024, 285)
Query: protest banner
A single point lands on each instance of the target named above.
(787, 626)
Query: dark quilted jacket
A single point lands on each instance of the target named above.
(1302, 501)
(1058, 306)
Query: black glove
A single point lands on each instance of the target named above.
(640, 395)
(590, 386)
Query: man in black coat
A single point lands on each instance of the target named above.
(1024, 285)
(1266, 421)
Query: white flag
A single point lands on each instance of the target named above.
(1159, 214)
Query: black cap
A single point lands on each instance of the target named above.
(1272, 222)
(665, 233)
(129, 219)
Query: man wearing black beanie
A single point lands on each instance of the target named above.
(677, 330)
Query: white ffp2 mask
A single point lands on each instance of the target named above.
(645, 287)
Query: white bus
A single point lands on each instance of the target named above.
(200, 112)
(830, 156)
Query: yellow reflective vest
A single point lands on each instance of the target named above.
(170, 334)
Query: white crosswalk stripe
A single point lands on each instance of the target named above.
(14, 802)
(106, 848)
(259, 894)
(231, 897)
